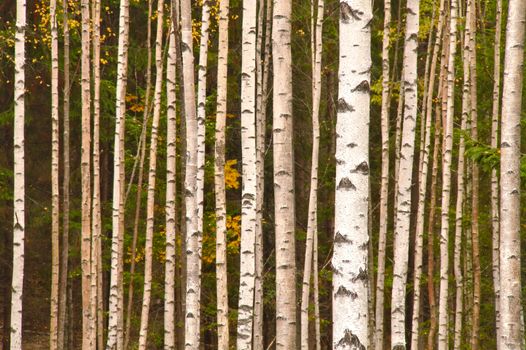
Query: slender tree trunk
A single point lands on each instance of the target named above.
(510, 252)
(494, 176)
(55, 242)
(138, 195)
(471, 13)
(116, 297)
(85, 168)
(96, 201)
(19, 183)
(65, 189)
(193, 257)
(312, 226)
(262, 66)
(152, 176)
(457, 266)
(219, 180)
(171, 211)
(446, 183)
(201, 118)
(349, 261)
(404, 180)
(284, 177)
(249, 173)
(384, 185)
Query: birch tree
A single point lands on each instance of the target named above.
(284, 209)
(193, 257)
(65, 186)
(494, 176)
(384, 185)
(312, 222)
(405, 178)
(85, 169)
(349, 261)
(96, 261)
(262, 65)
(510, 252)
(446, 183)
(249, 189)
(55, 242)
(219, 180)
(116, 297)
(17, 282)
(152, 175)
(201, 117)
(171, 211)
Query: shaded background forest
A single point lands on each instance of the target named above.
(38, 160)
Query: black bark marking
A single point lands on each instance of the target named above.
(339, 238)
(346, 12)
(505, 145)
(343, 106)
(399, 347)
(346, 184)
(352, 145)
(362, 276)
(362, 168)
(362, 87)
(351, 340)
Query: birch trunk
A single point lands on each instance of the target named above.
(116, 297)
(193, 257)
(262, 67)
(201, 118)
(471, 18)
(349, 261)
(96, 268)
(312, 222)
(55, 242)
(457, 267)
(138, 195)
(249, 172)
(384, 185)
(171, 194)
(85, 169)
(446, 183)
(510, 252)
(17, 282)
(219, 180)
(404, 180)
(494, 176)
(152, 175)
(284, 177)
(65, 189)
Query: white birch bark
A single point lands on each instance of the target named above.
(55, 242)
(494, 176)
(171, 212)
(249, 189)
(351, 237)
(312, 222)
(85, 169)
(152, 176)
(17, 282)
(219, 180)
(96, 223)
(201, 117)
(116, 297)
(284, 208)
(510, 252)
(193, 257)
(446, 183)
(405, 178)
(384, 186)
